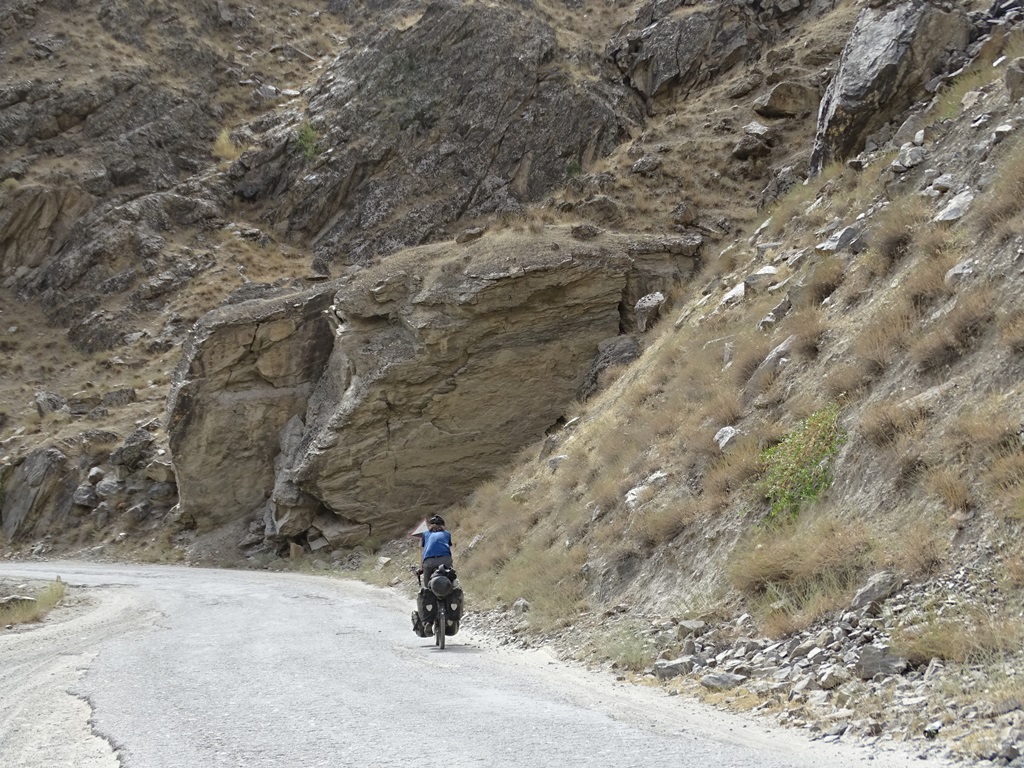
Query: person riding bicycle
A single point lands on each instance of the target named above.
(437, 552)
(437, 548)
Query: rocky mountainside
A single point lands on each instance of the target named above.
(684, 313)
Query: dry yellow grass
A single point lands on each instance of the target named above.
(885, 338)
(956, 332)
(32, 611)
(948, 485)
(798, 570)
(883, 423)
(918, 549)
(1005, 198)
(224, 148)
(970, 635)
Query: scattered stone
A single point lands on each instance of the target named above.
(521, 606)
(469, 235)
(584, 231)
(878, 588)
(1015, 78)
(877, 660)
(50, 402)
(845, 238)
(721, 681)
(788, 99)
(647, 309)
(725, 435)
(956, 208)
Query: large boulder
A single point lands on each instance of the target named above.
(247, 370)
(893, 51)
(444, 361)
(37, 494)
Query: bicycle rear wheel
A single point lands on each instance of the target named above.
(439, 626)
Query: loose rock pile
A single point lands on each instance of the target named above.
(844, 678)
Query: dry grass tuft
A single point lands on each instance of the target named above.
(971, 636)
(850, 380)
(224, 148)
(1005, 198)
(35, 610)
(750, 351)
(1011, 331)
(823, 280)
(885, 338)
(894, 228)
(801, 569)
(809, 326)
(948, 485)
(955, 334)
(737, 466)
(884, 423)
(919, 549)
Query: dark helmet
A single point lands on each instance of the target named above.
(436, 520)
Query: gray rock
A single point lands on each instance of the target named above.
(788, 99)
(875, 660)
(436, 344)
(468, 235)
(661, 51)
(724, 436)
(521, 606)
(665, 669)
(85, 496)
(910, 156)
(877, 588)
(647, 309)
(891, 52)
(415, 86)
(50, 402)
(844, 238)
(1015, 78)
(956, 208)
(721, 681)
(134, 451)
(37, 495)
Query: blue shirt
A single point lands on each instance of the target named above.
(437, 544)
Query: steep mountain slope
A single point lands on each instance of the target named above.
(363, 254)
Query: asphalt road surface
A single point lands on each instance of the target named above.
(173, 667)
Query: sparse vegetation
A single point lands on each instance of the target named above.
(35, 609)
(796, 570)
(224, 148)
(307, 141)
(969, 635)
(799, 468)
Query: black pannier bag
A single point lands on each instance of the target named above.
(453, 611)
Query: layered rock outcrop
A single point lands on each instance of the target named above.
(443, 361)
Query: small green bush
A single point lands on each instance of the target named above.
(306, 140)
(800, 467)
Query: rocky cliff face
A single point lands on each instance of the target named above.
(471, 111)
(442, 362)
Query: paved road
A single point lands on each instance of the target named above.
(170, 667)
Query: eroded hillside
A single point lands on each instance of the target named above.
(712, 310)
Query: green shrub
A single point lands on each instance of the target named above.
(306, 141)
(800, 467)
